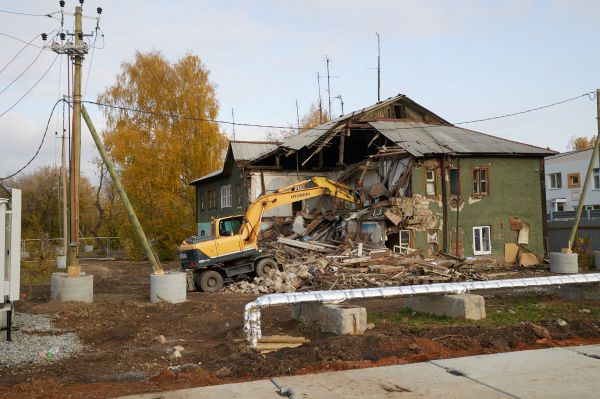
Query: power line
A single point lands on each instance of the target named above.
(185, 117)
(39, 146)
(20, 51)
(20, 40)
(30, 89)
(23, 73)
(49, 15)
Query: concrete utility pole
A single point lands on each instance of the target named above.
(588, 175)
(63, 182)
(327, 60)
(320, 101)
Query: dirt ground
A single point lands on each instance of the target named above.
(122, 356)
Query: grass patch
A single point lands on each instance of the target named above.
(500, 312)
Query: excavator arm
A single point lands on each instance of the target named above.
(287, 195)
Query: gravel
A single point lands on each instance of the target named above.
(35, 340)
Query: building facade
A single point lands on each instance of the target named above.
(565, 174)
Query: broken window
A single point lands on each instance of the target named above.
(226, 196)
(432, 242)
(404, 241)
(430, 182)
(481, 240)
(555, 180)
(239, 196)
(573, 180)
(212, 199)
(201, 204)
(454, 182)
(480, 181)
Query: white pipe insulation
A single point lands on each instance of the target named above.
(252, 310)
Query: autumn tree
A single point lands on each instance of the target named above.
(315, 116)
(581, 143)
(160, 150)
(41, 214)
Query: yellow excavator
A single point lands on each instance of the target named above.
(232, 250)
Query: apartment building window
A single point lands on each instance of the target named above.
(201, 203)
(574, 180)
(226, 196)
(480, 181)
(239, 196)
(481, 240)
(454, 182)
(212, 199)
(430, 182)
(555, 180)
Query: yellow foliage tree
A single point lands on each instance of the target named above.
(159, 151)
(581, 143)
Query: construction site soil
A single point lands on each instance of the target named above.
(122, 353)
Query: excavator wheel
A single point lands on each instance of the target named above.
(264, 266)
(209, 281)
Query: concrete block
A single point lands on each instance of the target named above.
(79, 289)
(333, 318)
(3, 317)
(171, 287)
(465, 306)
(564, 263)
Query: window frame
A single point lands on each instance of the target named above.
(481, 250)
(477, 181)
(427, 182)
(570, 176)
(557, 182)
(450, 182)
(404, 250)
(226, 196)
(428, 233)
(201, 201)
(212, 199)
(596, 173)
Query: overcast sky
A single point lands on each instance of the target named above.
(463, 60)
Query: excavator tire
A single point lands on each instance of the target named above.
(264, 266)
(209, 281)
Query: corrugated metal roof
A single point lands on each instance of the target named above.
(249, 150)
(422, 139)
(211, 174)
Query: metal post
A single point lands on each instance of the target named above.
(590, 171)
(378, 68)
(73, 268)
(143, 241)
(63, 182)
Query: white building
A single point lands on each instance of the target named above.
(565, 174)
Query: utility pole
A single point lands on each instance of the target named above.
(297, 116)
(588, 175)
(76, 50)
(327, 60)
(63, 182)
(233, 119)
(339, 97)
(320, 101)
(378, 68)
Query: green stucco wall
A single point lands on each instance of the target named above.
(514, 190)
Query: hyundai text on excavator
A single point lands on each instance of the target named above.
(232, 248)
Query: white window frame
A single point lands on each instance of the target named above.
(226, 196)
(430, 182)
(552, 178)
(482, 250)
(404, 245)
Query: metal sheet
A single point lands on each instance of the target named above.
(421, 139)
(249, 150)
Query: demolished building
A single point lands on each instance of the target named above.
(429, 186)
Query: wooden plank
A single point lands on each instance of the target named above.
(283, 339)
(392, 217)
(303, 245)
(510, 253)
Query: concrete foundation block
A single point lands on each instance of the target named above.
(79, 289)
(465, 306)
(171, 287)
(333, 318)
(564, 263)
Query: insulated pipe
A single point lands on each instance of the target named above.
(252, 310)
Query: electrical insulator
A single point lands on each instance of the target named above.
(81, 2)
(99, 10)
(80, 35)
(62, 35)
(44, 36)
(61, 3)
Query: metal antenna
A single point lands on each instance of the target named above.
(297, 116)
(339, 97)
(378, 68)
(327, 60)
